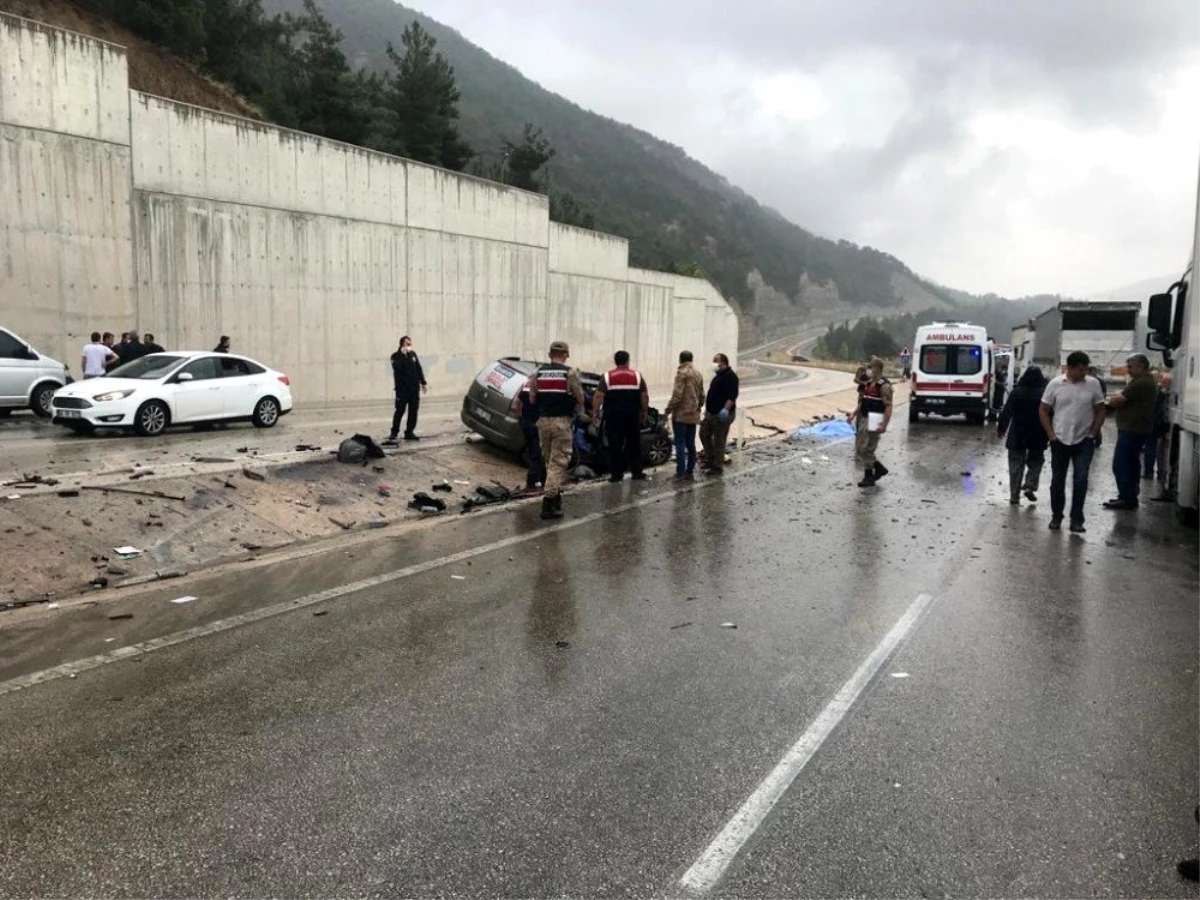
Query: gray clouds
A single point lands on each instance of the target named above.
(988, 143)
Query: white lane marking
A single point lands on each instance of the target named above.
(708, 870)
(71, 669)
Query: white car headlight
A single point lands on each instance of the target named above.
(113, 395)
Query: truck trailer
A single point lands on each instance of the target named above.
(1107, 331)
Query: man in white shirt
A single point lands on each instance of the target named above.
(1071, 413)
(96, 357)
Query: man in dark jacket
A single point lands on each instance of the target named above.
(1026, 440)
(409, 381)
(720, 409)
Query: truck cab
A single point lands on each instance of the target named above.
(1174, 330)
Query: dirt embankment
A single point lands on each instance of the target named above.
(151, 69)
(58, 545)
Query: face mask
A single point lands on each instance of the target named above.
(716, 367)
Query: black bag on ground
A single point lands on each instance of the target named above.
(358, 449)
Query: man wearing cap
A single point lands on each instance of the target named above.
(874, 397)
(555, 391)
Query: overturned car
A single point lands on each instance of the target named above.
(492, 409)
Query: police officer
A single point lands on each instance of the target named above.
(875, 396)
(626, 401)
(557, 394)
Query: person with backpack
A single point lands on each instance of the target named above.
(1026, 440)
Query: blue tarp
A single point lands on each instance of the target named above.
(832, 430)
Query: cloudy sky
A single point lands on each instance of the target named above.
(1009, 145)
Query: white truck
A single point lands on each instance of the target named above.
(1107, 331)
(1174, 329)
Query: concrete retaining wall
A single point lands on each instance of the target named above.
(122, 210)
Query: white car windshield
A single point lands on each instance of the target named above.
(149, 368)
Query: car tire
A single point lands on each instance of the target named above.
(266, 413)
(152, 418)
(656, 451)
(914, 414)
(40, 401)
(5, 412)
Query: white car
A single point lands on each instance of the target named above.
(157, 391)
(28, 379)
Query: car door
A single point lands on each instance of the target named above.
(240, 384)
(196, 398)
(17, 370)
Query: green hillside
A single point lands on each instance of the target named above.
(673, 210)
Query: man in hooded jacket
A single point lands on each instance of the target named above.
(1026, 440)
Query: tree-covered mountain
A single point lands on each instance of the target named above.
(675, 211)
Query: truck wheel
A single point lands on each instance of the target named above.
(913, 413)
(41, 399)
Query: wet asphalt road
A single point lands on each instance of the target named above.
(568, 717)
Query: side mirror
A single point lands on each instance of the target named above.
(1159, 316)
(184, 376)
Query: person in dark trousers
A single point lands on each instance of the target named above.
(409, 382)
(1135, 409)
(1026, 439)
(1072, 414)
(1095, 373)
(222, 345)
(626, 400)
(720, 409)
(685, 409)
(535, 477)
(152, 346)
(1162, 427)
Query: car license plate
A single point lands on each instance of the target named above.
(935, 401)
(483, 414)
(69, 414)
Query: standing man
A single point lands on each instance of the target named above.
(97, 357)
(720, 409)
(109, 341)
(875, 396)
(535, 476)
(151, 345)
(626, 400)
(558, 396)
(1135, 408)
(1072, 413)
(222, 345)
(133, 349)
(685, 408)
(409, 382)
(906, 362)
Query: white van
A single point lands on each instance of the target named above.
(951, 371)
(28, 379)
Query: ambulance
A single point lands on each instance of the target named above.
(951, 371)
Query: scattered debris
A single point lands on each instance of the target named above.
(965, 474)
(423, 501)
(378, 470)
(253, 475)
(385, 490)
(122, 490)
(127, 552)
(899, 674)
(242, 450)
(69, 492)
(359, 449)
(444, 486)
(51, 606)
(680, 625)
(251, 546)
(378, 523)
(187, 599)
(214, 459)
(728, 625)
(300, 448)
(562, 645)
(321, 612)
(459, 577)
(116, 571)
(115, 617)
(345, 526)
(461, 481)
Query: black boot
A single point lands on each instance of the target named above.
(879, 470)
(868, 479)
(552, 507)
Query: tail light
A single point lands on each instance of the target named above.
(514, 408)
(987, 381)
(285, 380)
